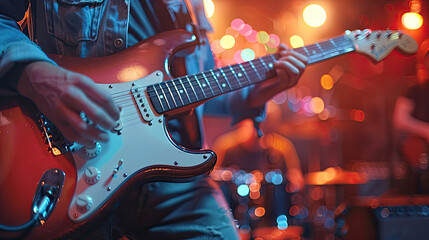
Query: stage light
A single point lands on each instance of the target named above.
(412, 20)
(237, 24)
(243, 190)
(262, 37)
(227, 42)
(296, 41)
(246, 31)
(314, 15)
(209, 8)
(247, 54)
(274, 41)
(327, 82)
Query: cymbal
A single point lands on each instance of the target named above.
(335, 176)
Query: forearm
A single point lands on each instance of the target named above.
(16, 50)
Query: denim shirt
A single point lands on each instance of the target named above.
(92, 28)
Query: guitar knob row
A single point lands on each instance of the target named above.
(83, 203)
(92, 151)
(91, 175)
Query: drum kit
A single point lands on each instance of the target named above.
(265, 208)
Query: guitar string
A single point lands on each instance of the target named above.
(127, 99)
(172, 90)
(196, 78)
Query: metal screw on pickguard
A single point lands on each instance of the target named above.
(160, 120)
(205, 156)
(176, 163)
(110, 86)
(125, 175)
(109, 188)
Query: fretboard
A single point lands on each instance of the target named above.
(191, 89)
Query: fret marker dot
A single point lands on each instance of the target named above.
(161, 96)
(223, 85)
(217, 75)
(270, 65)
(314, 52)
(204, 85)
(180, 91)
(240, 74)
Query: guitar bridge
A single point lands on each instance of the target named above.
(56, 142)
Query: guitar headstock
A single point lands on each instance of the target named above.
(378, 44)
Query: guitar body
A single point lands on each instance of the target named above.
(140, 150)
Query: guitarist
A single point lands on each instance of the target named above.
(411, 116)
(93, 28)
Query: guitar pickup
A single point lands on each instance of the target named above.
(142, 104)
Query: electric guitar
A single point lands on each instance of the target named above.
(39, 169)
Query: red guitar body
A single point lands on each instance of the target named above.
(25, 156)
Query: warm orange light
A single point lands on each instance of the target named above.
(259, 211)
(209, 8)
(327, 82)
(296, 41)
(317, 105)
(227, 42)
(314, 15)
(412, 20)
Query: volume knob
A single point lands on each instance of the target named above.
(83, 203)
(92, 151)
(91, 175)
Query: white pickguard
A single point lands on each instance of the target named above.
(140, 145)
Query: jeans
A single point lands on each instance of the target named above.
(163, 210)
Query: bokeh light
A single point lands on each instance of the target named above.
(412, 20)
(274, 41)
(247, 54)
(246, 30)
(209, 8)
(327, 82)
(227, 42)
(260, 211)
(243, 190)
(314, 15)
(317, 105)
(296, 41)
(262, 37)
(237, 57)
(237, 24)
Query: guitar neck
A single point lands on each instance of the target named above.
(192, 89)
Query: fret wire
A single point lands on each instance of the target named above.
(204, 86)
(184, 88)
(193, 96)
(193, 89)
(215, 78)
(240, 75)
(234, 75)
(159, 98)
(211, 84)
(245, 73)
(201, 87)
(171, 94)
(224, 76)
(165, 95)
(177, 91)
(208, 83)
(227, 72)
(254, 69)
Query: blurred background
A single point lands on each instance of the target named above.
(338, 120)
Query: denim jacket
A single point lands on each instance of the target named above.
(91, 28)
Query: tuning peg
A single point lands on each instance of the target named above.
(357, 33)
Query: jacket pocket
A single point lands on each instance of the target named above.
(73, 20)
